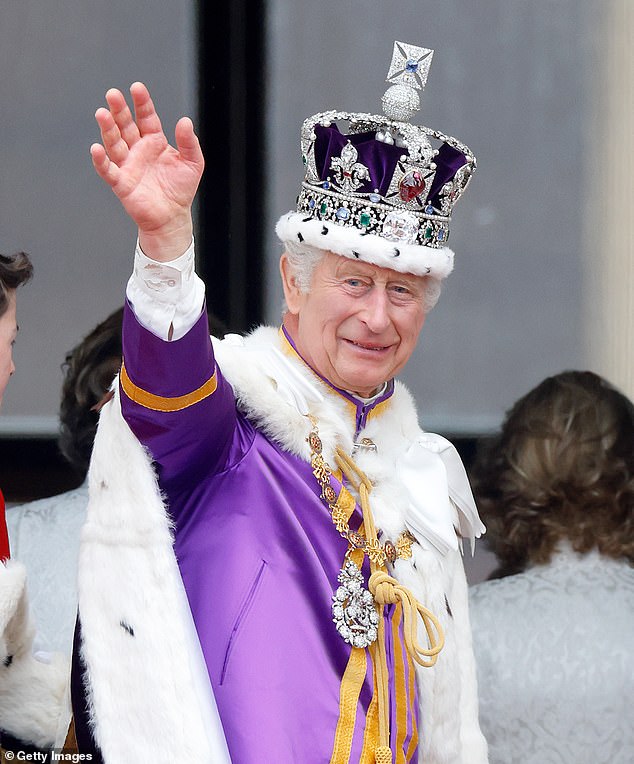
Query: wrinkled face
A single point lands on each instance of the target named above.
(358, 325)
(8, 333)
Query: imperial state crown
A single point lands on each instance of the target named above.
(377, 187)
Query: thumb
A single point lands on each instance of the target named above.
(187, 142)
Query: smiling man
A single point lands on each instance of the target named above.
(312, 607)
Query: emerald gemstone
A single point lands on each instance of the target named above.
(364, 219)
(324, 208)
(428, 232)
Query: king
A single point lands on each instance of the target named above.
(271, 567)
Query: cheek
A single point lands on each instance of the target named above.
(410, 326)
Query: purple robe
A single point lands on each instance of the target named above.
(258, 553)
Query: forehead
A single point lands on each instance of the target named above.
(346, 266)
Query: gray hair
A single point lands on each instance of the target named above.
(303, 258)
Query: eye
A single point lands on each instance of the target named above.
(401, 291)
(355, 283)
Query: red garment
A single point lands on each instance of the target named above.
(4, 533)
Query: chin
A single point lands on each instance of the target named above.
(363, 388)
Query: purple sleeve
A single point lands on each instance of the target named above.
(176, 401)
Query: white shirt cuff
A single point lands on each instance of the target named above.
(167, 298)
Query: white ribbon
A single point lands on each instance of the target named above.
(440, 497)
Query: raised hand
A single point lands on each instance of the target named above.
(154, 182)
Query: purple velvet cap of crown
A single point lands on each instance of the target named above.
(380, 159)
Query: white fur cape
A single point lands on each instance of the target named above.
(33, 688)
(143, 685)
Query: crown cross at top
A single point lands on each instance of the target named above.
(349, 174)
(410, 65)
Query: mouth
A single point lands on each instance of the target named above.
(372, 347)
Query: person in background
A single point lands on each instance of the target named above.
(553, 636)
(15, 270)
(31, 689)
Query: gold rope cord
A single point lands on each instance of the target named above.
(386, 590)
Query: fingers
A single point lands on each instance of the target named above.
(119, 129)
(104, 167)
(147, 119)
(116, 148)
(187, 142)
(122, 116)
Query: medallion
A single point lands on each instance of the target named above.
(353, 608)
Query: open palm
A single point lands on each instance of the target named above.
(155, 182)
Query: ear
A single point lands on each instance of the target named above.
(292, 293)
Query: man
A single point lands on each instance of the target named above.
(298, 484)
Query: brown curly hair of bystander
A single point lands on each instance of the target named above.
(560, 470)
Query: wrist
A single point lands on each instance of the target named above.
(167, 243)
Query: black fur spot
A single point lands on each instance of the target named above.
(427, 270)
(126, 627)
(103, 485)
(300, 237)
(356, 254)
(8, 661)
(307, 220)
(448, 608)
(397, 252)
(324, 231)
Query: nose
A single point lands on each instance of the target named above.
(376, 310)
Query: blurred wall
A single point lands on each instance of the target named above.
(513, 81)
(57, 61)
